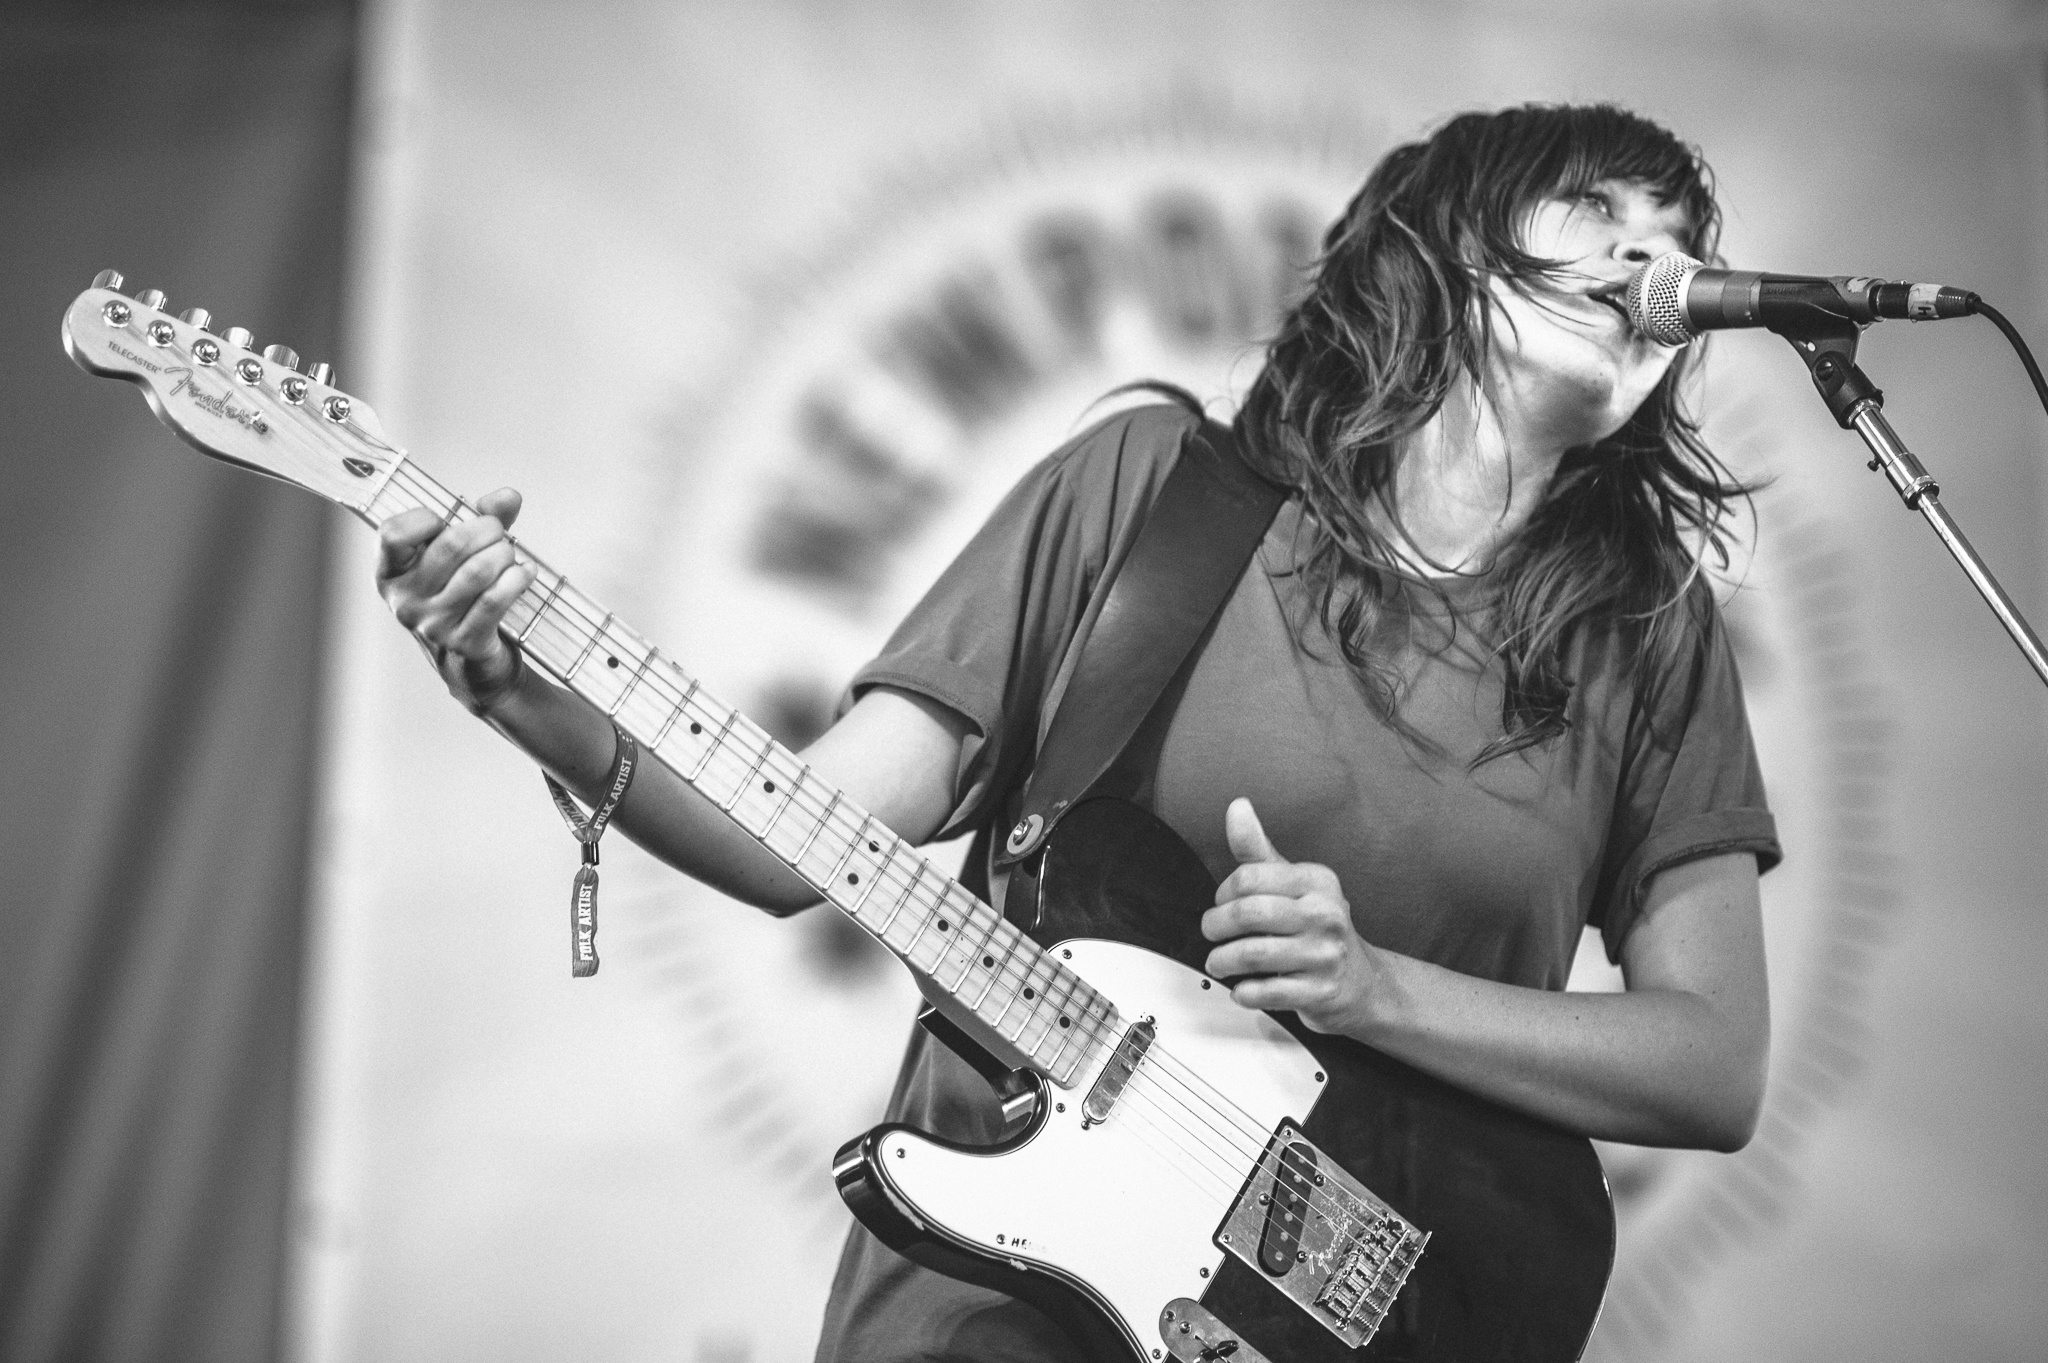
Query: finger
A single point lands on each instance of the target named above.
(1248, 840)
(471, 578)
(1283, 994)
(449, 550)
(1276, 877)
(477, 635)
(1269, 956)
(401, 539)
(1272, 914)
(502, 504)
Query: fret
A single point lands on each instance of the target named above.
(638, 673)
(911, 945)
(796, 862)
(853, 911)
(590, 647)
(973, 952)
(676, 714)
(788, 794)
(705, 760)
(767, 746)
(1064, 1010)
(996, 971)
(553, 591)
(832, 877)
(904, 898)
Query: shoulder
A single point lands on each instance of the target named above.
(1138, 443)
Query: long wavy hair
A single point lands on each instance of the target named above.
(1397, 314)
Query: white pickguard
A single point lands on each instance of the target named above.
(1128, 1206)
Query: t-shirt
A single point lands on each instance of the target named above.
(1493, 869)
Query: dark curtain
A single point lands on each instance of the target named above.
(160, 624)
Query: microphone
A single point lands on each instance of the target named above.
(1675, 298)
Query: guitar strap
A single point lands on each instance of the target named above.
(1201, 531)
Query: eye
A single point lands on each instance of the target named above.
(1599, 200)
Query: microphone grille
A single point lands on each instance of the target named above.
(1656, 298)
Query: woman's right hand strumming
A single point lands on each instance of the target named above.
(451, 586)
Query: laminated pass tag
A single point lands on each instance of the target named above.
(583, 890)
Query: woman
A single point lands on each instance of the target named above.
(1471, 695)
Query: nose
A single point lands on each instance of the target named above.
(1640, 243)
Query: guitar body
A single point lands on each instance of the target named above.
(1104, 1226)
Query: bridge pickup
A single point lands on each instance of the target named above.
(1321, 1237)
(1122, 1064)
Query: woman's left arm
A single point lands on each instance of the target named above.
(1677, 1059)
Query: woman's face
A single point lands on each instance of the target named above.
(1565, 354)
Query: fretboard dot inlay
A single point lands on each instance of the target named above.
(1066, 1022)
(1030, 993)
(989, 962)
(874, 847)
(943, 925)
(768, 786)
(611, 662)
(695, 727)
(853, 877)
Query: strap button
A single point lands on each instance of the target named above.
(1025, 834)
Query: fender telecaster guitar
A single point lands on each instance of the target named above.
(1184, 1178)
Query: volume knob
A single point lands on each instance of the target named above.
(281, 354)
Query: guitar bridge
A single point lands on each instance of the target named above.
(1321, 1237)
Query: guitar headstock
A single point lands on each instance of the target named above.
(258, 411)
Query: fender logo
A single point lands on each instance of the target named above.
(220, 405)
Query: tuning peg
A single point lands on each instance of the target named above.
(281, 354)
(107, 279)
(152, 298)
(238, 337)
(196, 317)
(322, 372)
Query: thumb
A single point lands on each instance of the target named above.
(1248, 840)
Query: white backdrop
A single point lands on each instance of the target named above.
(762, 305)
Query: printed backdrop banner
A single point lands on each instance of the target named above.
(763, 307)
(160, 632)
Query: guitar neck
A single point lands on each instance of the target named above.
(922, 916)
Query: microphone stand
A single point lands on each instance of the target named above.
(1827, 343)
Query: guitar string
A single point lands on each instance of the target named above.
(1249, 1138)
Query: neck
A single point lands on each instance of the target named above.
(1469, 480)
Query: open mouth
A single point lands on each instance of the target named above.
(1612, 300)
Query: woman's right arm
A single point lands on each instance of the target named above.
(894, 753)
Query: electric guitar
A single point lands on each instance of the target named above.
(1182, 1177)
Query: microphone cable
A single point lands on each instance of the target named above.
(2019, 344)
